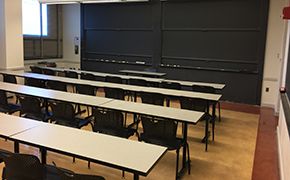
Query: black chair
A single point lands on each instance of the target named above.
(64, 114)
(152, 98)
(5, 106)
(31, 107)
(26, 167)
(207, 89)
(114, 93)
(170, 85)
(48, 72)
(114, 79)
(56, 85)
(163, 132)
(34, 82)
(87, 76)
(9, 78)
(136, 82)
(71, 74)
(87, 90)
(202, 106)
(36, 69)
(112, 123)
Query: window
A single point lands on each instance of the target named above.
(31, 14)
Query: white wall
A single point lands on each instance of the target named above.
(283, 146)
(273, 55)
(11, 39)
(71, 29)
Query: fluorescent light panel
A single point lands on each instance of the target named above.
(59, 1)
(87, 1)
(112, 1)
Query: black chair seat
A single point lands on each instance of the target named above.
(171, 144)
(38, 117)
(10, 108)
(76, 123)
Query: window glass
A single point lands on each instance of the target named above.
(31, 14)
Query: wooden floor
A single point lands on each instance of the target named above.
(229, 157)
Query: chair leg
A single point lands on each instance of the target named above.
(177, 163)
(89, 164)
(123, 174)
(74, 159)
(188, 158)
(219, 106)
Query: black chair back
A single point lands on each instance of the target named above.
(30, 104)
(23, 166)
(105, 119)
(36, 69)
(71, 74)
(138, 82)
(204, 89)
(158, 131)
(86, 89)
(56, 85)
(194, 104)
(3, 99)
(48, 72)
(34, 82)
(170, 85)
(62, 110)
(115, 93)
(9, 78)
(113, 79)
(152, 98)
(87, 76)
(31, 108)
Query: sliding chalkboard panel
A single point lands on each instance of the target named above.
(221, 41)
(117, 32)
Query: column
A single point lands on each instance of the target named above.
(11, 38)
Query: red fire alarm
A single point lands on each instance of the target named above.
(286, 13)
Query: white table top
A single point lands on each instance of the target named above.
(53, 94)
(133, 155)
(170, 92)
(142, 72)
(126, 77)
(11, 125)
(181, 115)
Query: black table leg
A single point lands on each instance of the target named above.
(43, 155)
(213, 119)
(16, 147)
(136, 176)
(184, 146)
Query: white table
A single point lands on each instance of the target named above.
(127, 77)
(12, 125)
(142, 73)
(132, 156)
